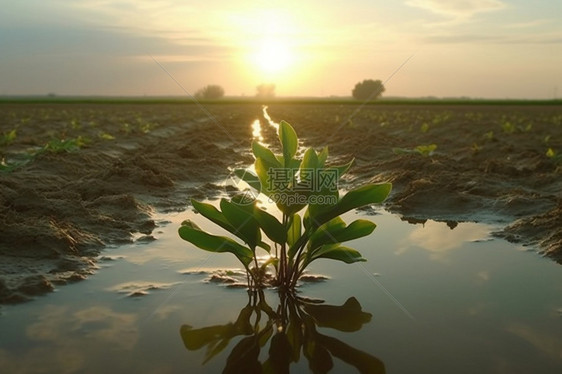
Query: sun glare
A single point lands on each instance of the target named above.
(273, 56)
(270, 46)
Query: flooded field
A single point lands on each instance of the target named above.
(438, 300)
(442, 291)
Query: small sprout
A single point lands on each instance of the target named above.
(65, 145)
(424, 150)
(106, 136)
(145, 127)
(424, 127)
(550, 153)
(476, 148)
(75, 124)
(8, 137)
(126, 128)
(508, 127)
(547, 139)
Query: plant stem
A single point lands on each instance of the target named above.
(283, 258)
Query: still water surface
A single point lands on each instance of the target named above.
(430, 299)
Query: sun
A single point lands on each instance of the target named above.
(273, 56)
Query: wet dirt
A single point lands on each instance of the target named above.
(60, 208)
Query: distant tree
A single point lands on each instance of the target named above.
(265, 90)
(211, 91)
(368, 89)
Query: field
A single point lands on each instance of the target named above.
(78, 177)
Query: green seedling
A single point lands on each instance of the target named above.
(553, 155)
(75, 124)
(65, 145)
(296, 240)
(7, 167)
(8, 137)
(106, 136)
(508, 127)
(424, 150)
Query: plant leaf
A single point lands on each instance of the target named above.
(213, 214)
(272, 228)
(190, 232)
(309, 160)
(249, 177)
(322, 157)
(342, 169)
(338, 252)
(364, 195)
(264, 153)
(265, 171)
(294, 232)
(335, 231)
(289, 141)
(325, 194)
(242, 219)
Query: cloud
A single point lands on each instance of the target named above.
(458, 9)
(438, 238)
(504, 39)
(529, 24)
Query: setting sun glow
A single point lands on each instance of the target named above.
(273, 56)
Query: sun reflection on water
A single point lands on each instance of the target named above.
(271, 122)
(256, 130)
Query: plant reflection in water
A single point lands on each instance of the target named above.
(291, 331)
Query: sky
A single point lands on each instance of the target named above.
(418, 48)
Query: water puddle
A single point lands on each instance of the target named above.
(431, 298)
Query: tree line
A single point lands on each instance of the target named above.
(366, 90)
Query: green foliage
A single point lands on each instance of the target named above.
(65, 145)
(367, 90)
(424, 150)
(106, 136)
(9, 167)
(210, 92)
(508, 127)
(294, 185)
(553, 155)
(8, 137)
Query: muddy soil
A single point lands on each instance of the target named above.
(60, 208)
(61, 205)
